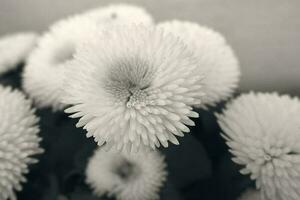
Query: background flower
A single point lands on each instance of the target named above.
(133, 86)
(14, 49)
(44, 72)
(250, 195)
(120, 14)
(137, 176)
(216, 59)
(18, 140)
(262, 131)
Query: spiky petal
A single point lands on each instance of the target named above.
(216, 59)
(19, 141)
(133, 85)
(262, 131)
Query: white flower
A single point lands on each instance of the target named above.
(250, 195)
(120, 14)
(18, 141)
(132, 86)
(14, 49)
(136, 176)
(215, 59)
(262, 131)
(44, 73)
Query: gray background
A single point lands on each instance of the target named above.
(264, 33)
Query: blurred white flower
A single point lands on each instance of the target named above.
(216, 60)
(14, 49)
(251, 195)
(132, 86)
(262, 131)
(44, 73)
(19, 140)
(120, 14)
(136, 176)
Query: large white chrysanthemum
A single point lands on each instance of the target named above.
(133, 85)
(136, 176)
(18, 141)
(251, 195)
(120, 14)
(44, 73)
(215, 59)
(14, 49)
(262, 131)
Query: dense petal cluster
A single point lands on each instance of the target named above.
(14, 49)
(18, 140)
(133, 86)
(44, 72)
(262, 131)
(250, 195)
(120, 14)
(136, 176)
(216, 59)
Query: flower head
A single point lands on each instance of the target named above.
(18, 140)
(136, 176)
(44, 73)
(262, 131)
(120, 14)
(14, 49)
(216, 60)
(251, 195)
(132, 86)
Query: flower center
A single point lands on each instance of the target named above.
(137, 97)
(126, 170)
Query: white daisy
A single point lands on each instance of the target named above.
(262, 131)
(19, 140)
(44, 73)
(137, 176)
(120, 14)
(14, 49)
(250, 195)
(215, 59)
(133, 85)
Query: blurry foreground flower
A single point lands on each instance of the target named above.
(18, 141)
(136, 176)
(133, 86)
(14, 49)
(250, 195)
(262, 131)
(120, 14)
(216, 60)
(44, 73)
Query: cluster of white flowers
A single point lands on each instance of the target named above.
(19, 140)
(132, 83)
(137, 176)
(14, 49)
(45, 71)
(262, 131)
